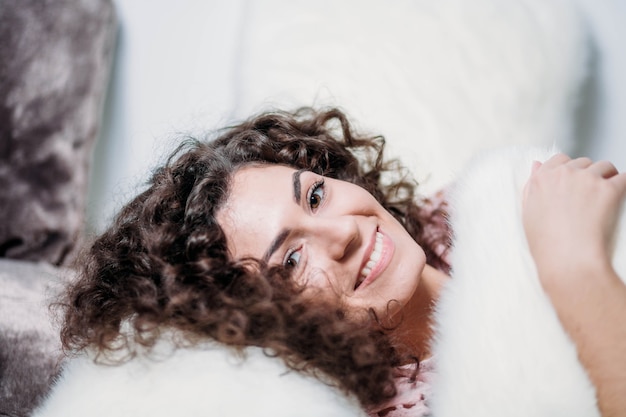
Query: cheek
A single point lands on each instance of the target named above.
(322, 297)
(319, 283)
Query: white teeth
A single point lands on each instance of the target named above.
(374, 257)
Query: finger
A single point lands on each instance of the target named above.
(535, 166)
(604, 168)
(620, 181)
(556, 160)
(581, 163)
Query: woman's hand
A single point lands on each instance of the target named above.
(570, 210)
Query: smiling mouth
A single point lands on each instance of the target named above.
(372, 261)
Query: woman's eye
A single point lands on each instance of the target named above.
(292, 260)
(317, 194)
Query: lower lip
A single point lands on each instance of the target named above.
(383, 262)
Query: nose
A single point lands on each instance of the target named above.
(338, 236)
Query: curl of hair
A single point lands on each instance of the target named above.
(163, 263)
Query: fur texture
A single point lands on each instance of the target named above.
(30, 349)
(54, 70)
(500, 348)
(209, 381)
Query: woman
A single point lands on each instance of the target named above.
(290, 232)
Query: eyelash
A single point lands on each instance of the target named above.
(318, 185)
(288, 256)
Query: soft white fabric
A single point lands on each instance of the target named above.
(500, 348)
(440, 79)
(193, 383)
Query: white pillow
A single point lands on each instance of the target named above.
(440, 79)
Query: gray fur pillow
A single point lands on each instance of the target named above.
(30, 349)
(55, 57)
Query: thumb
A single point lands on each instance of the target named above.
(533, 168)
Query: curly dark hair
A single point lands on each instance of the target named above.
(164, 264)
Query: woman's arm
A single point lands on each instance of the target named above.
(570, 212)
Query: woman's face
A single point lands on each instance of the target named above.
(331, 234)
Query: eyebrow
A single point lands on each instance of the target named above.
(297, 187)
(276, 243)
(284, 234)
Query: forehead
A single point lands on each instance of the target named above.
(256, 205)
(251, 184)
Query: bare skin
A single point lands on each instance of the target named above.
(415, 323)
